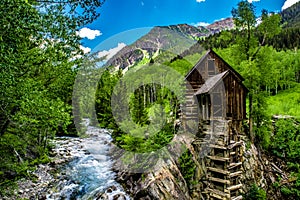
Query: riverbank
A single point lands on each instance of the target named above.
(46, 176)
(80, 168)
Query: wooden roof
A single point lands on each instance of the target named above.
(211, 83)
(227, 65)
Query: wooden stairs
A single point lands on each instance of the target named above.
(222, 153)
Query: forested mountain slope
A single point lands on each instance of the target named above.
(172, 39)
(291, 16)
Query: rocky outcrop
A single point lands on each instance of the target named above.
(263, 170)
(46, 175)
(171, 40)
(165, 180)
(221, 25)
(163, 183)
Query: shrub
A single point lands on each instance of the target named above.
(256, 193)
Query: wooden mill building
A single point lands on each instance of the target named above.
(216, 102)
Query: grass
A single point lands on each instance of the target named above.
(286, 102)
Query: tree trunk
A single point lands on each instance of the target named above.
(248, 42)
(45, 141)
(145, 96)
(276, 87)
(298, 76)
(18, 156)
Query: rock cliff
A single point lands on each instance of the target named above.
(166, 181)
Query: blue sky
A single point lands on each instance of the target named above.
(122, 16)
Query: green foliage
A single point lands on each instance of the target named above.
(271, 72)
(286, 102)
(138, 142)
(262, 126)
(266, 70)
(140, 137)
(187, 166)
(286, 191)
(39, 51)
(138, 108)
(7, 187)
(269, 27)
(287, 39)
(292, 191)
(285, 144)
(255, 193)
(244, 19)
(152, 111)
(41, 160)
(194, 58)
(182, 66)
(244, 15)
(103, 97)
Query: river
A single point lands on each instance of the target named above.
(88, 175)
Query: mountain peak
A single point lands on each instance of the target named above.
(172, 38)
(220, 25)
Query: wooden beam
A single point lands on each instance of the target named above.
(217, 196)
(218, 192)
(220, 142)
(233, 165)
(235, 174)
(198, 141)
(190, 117)
(217, 147)
(210, 132)
(235, 144)
(221, 171)
(235, 187)
(219, 180)
(218, 158)
(237, 198)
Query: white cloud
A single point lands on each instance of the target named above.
(250, 1)
(88, 33)
(258, 21)
(200, 24)
(289, 3)
(85, 49)
(111, 52)
(199, 1)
